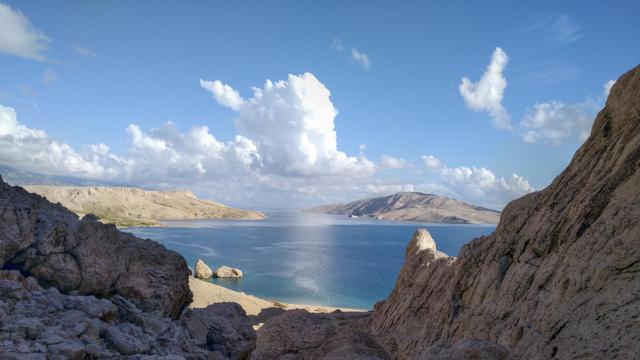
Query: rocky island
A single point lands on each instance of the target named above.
(128, 206)
(414, 206)
(558, 279)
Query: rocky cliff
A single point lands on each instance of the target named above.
(127, 206)
(558, 279)
(414, 206)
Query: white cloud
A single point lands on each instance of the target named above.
(291, 123)
(607, 87)
(391, 162)
(18, 37)
(224, 94)
(431, 162)
(36, 151)
(487, 93)
(49, 78)
(482, 186)
(82, 51)
(479, 185)
(556, 122)
(361, 58)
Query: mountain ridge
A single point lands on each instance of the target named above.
(413, 206)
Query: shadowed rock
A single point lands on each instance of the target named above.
(48, 242)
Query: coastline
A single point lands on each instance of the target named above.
(206, 293)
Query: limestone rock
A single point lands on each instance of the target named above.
(50, 243)
(203, 271)
(228, 272)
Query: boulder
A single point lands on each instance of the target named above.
(228, 272)
(203, 271)
(223, 328)
(51, 244)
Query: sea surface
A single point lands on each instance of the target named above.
(307, 258)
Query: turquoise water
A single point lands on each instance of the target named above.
(307, 258)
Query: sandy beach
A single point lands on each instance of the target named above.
(259, 310)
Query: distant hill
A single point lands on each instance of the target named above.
(414, 206)
(128, 206)
(15, 176)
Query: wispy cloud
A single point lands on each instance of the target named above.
(560, 28)
(82, 51)
(337, 45)
(49, 77)
(546, 72)
(361, 58)
(358, 56)
(18, 37)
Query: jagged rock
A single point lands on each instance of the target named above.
(223, 328)
(560, 276)
(227, 272)
(36, 326)
(48, 242)
(203, 271)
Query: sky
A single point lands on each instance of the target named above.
(300, 103)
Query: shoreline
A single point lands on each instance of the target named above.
(206, 293)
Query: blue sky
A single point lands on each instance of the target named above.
(83, 71)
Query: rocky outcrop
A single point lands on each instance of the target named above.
(228, 272)
(558, 279)
(560, 276)
(36, 324)
(203, 271)
(414, 206)
(48, 242)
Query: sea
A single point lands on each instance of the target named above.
(306, 258)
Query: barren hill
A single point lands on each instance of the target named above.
(414, 206)
(127, 206)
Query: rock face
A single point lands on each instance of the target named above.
(36, 324)
(414, 206)
(126, 206)
(203, 271)
(558, 279)
(228, 272)
(48, 242)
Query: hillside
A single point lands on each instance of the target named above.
(414, 206)
(127, 206)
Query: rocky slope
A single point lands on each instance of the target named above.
(125, 206)
(80, 289)
(414, 206)
(558, 279)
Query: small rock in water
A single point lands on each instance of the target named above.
(203, 271)
(228, 272)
